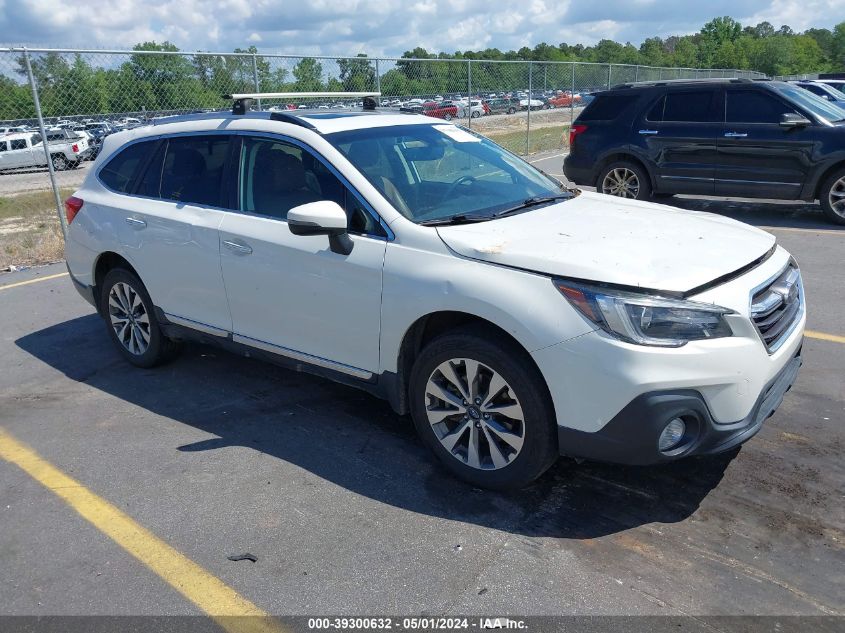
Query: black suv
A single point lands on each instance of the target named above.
(728, 137)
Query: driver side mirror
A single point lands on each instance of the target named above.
(324, 217)
(792, 120)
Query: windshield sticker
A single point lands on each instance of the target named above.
(457, 134)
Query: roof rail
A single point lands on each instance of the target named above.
(243, 100)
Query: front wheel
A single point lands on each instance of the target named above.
(483, 409)
(447, 116)
(476, 114)
(131, 321)
(625, 180)
(832, 197)
(511, 110)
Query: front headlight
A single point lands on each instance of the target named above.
(646, 319)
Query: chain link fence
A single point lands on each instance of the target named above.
(74, 98)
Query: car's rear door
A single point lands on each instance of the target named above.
(757, 156)
(291, 294)
(169, 224)
(679, 130)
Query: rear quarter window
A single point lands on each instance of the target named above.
(608, 107)
(119, 173)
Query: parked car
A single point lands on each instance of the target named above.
(444, 110)
(475, 108)
(534, 103)
(501, 105)
(564, 100)
(513, 318)
(67, 150)
(823, 90)
(727, 137)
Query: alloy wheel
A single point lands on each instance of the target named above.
(475, 414)
(836, 197)
(129, 318)
(621, 182)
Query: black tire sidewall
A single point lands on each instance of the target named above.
(540, 448)
(158, 349)
(59, 162)
(642, 175)
(824, 197)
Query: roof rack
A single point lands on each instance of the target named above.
(243, 100)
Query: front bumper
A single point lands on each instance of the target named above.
(631, 437)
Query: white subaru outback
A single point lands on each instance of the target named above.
(513, 318)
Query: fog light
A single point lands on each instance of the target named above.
(671, 435)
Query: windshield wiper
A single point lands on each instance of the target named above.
(531, 202)
(461, 218)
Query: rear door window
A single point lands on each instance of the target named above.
(754, 106)
(689, 106)
(192, 172)
(18, 143)
(119, 173)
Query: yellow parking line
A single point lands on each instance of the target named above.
(206, 591)
(824, 336)
(33, 281)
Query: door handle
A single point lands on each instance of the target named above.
(135, 223)
(736, 134)
(648, 132)
(243, 249)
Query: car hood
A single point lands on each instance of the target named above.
(612, 240)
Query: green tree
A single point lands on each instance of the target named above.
(308, 73)
(357, 74)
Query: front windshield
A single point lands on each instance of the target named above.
(436, 172)
(815, 104)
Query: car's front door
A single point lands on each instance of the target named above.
(757, 156)
(19, 154)
(679, 131)
(169, 225)
(292, 294)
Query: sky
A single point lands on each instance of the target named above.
(381, 27)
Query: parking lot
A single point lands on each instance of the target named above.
(216, 455)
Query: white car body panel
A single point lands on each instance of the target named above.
(612, 240)
(293, 292)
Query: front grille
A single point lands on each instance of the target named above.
(777, 306)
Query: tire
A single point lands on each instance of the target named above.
(447, 116)
(526, 447)
(144, 344)
(511, 110)
(476, 114)
(612, 180)
(60, 163)
(832, 197)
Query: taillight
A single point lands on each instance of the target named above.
(574, 131)
(72, 206)
(75, 148)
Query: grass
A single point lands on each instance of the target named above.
(29, 229)
(541, 139)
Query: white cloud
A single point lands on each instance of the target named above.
(381, 27)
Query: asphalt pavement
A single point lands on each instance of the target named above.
(216, 455)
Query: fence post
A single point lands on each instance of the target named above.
(528, 123)
(609, 74)
(378, 82)
(43, 131)
(469, 93)
(572, 97)
(255, 76)
(637, 73)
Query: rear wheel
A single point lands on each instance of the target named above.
(625, 180)
(60, 163)
(131, 321)
(511, 110)
(832, 197)
(447, 116)
(483, 409)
